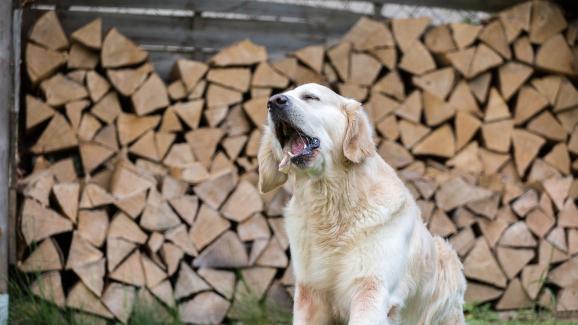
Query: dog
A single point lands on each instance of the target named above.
(360, 251)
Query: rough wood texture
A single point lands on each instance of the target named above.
(150, 183)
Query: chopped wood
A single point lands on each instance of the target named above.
(38, 222)
(411, 133)
(226, 252)
(339, 56)
(480, 86)
(441, 225)
(436, 110)
(48, 32)
(93, 226)
(127, 81)
(81, 252)
(484, 59)
(125, 228)
(93, 155)
(256, 109)
(417, 59)
(411, 108)
(439, 142)
(151, 96)
(557, 237)
(526, 147)
(466, 127)
(492, 230)
(539, 222)
(392, 85)
(119, 299)
(119, 51)
(80, 57)
(439, 39)
(67, 195)
(557, 188)
(481, 265)
(266, 76)
(478, 293)
(513, 260)
(465, 34)
(97, 85)
(494, 35)
(515, 20)
(36, 112)
(438, 83)
(42, 62)
(555, 55)
(244, 202)
(188, 282)
(463, 99)
(363, 69)
(567, 299)
(456, 192)
(130, 271)
(461, 60)
(221, 96)
(567, 96)
(159, 217)
(81, 298)
(60, 90)
(547, 20)
(89, 35)
(312, 56)
(46, 257)
(241, 53)
(523, 50)
(406, 31)
(547, 125)
(273, 255)
(92, 275)
(514, 297)
(154, 275)
(180, 237)
(235, 78)
(48, 286)
(559, 158)
(512, 76)
(368, 34)
(518, 235)
(394, 154)
(205, 308)
(208, 226)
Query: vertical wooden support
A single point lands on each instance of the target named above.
(6, 95)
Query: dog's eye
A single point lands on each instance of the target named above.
(308, 97)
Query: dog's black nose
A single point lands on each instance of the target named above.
(278, 101)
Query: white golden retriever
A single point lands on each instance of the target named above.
(359, 248)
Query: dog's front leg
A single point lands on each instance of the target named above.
(310, 308)
(370, 303)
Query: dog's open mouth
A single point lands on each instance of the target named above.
(298, 147)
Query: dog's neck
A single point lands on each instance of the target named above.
(340, 188)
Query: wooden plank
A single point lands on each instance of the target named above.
(203, 32)
(249, 7)
(6, 95)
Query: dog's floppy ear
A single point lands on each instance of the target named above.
(358, 143)
(270, 155)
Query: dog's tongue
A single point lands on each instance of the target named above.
(298, 145)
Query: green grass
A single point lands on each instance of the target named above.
(483, 315)
(25, 309)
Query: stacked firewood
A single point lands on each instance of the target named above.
(136, 189)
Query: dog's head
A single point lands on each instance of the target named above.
(311, 130)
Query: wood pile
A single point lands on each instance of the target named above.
(141, 190)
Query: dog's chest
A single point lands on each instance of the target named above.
(318, 248)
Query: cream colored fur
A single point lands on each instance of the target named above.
(360, 251)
